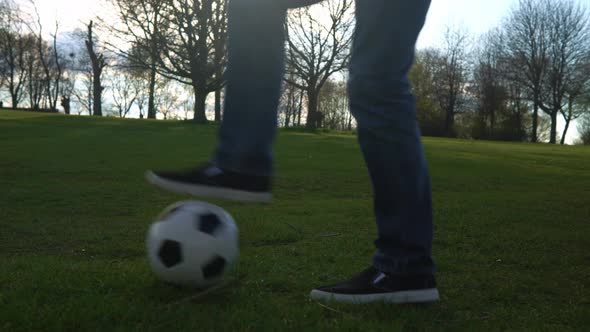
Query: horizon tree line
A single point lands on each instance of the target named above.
(168, 57)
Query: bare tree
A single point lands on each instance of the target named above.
(451, 75)
(189, 56)
(291, 104)
(167, 99)
(14, 45)
(526, 51)
(68, 84)
(124, 91)
(488, 86)
(316, 51)
(142, 26)
(51, 61)
(5, 28)
(334, 105)
(141, 85)
(577, 96)
(98, 62)
(184, 41)
(568, 38)
(83, 91)
(219, 50)
(15, 48)
(36, 77)
(421, 75)
(187, 106)
(584, 127)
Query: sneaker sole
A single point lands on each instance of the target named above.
(411, 296)
(208, 191)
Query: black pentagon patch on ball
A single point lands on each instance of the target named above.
(208, 223)
(170, 253)
(214, 268)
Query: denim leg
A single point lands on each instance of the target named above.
(384, 107)
(254, 74)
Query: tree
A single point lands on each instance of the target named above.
(68, 84)
(82, 70)
(421, 76)
(547, 46)
(291, 105)
(513, 126)
(14, 44)
(316, 51)
(185, 41)
(451, 76)
(36, 76)
(124, 91)
(488, 87)
(168, 99)
(568, 35)
(577, 96)
(142, 23)
(584, 129)
(98, 63)
(219, 51)
(334, 106)
(51, 62)
(189, 55)
(14, 50)
(141, 85)
(525, 50)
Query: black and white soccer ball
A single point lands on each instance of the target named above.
(192, 244)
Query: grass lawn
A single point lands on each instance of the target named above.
(512, 233)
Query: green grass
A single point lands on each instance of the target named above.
(512, 228)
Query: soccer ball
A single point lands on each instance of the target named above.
(192, 244)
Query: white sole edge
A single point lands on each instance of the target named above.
(207, 191)
(412, 296)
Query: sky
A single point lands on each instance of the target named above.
(476, 16)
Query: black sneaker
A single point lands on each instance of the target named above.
(214, 182)
(372, 285)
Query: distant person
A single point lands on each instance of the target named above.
(402, 270)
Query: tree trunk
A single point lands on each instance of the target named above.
(553, 137)
(98, 64)
(96, 92)
(151, 114)
(349, 125)
(218, 105)
(567, 125)
(53, 98)
(200, 105)
(14, 101)
(312, 109)
(534, 135)
(449, 123)
(299, 108)
(65, 103)
(492, 122)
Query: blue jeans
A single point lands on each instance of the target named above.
(380, 100)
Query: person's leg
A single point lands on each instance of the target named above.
(242, 164)
(254, 74)
(384, 107)
(385, 110)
